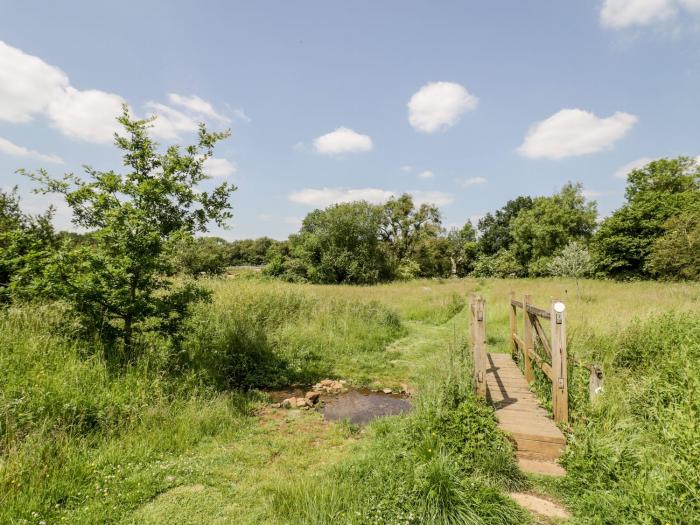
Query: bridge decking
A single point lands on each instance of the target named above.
(538, 441)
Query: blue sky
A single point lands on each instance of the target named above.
(466, 104)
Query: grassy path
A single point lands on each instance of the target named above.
(235, 480)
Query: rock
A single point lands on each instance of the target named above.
(275, 405)
(288, 403)
(312, 396)
(300, 402)
(387, 390)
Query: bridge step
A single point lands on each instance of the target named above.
(538, 441)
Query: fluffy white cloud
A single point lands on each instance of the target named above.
(89, 115)
(571, 132)
(622, 171)
(427, 174)
(472, 181)
(438, 198)
(10, 148)
(618, 14)
(197, 105)
(326, 196)
(27, 84)
(217, 167)
(29, 87)
(439, 105)
(342, 140)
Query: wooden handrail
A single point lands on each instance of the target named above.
(554, 346)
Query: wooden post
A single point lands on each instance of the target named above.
(560, 389)
(527, 339)
(480, 347)
(513, 324)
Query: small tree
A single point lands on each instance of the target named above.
(676, 254)
(118, 285)
(461, 248)
(573, 261)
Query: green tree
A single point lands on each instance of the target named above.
(461, 249)
(655, 193)
(551, 223)
(202, 255)
(502, 264)
(494, 229)
(573, 261)
(403, 225)
(676, 254)
(26, 243)
(119, 286)
(337, 245)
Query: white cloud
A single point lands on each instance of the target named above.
(622, 171)
(407, 168)
(27, 85)
(242, 114)
(217, 167)
(197, 105)
(326, 196)
(439, 105)
(571, 132)
(438, 198)
(342, 140)
(472, 181)
(170, 122)
(89, 115)
(13, 149)
(427, 174)
(617, 14)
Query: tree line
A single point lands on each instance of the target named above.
(654, 234)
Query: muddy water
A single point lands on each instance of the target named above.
(360, 406)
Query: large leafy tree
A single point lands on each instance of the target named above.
(119, 285)
(655, 193)
(676, 254)
(337, 245)
(461, 249)
(403, 225)
(494, 229)
(551, 223)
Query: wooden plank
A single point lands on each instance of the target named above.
(541, 335)
(541, 363)
(515, 303)
(527, 342)
(513, 315)
(538, 311)
(519, 342)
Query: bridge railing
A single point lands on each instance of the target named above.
(477, 333)
(554, 347)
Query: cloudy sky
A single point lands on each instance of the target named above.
(464, 104)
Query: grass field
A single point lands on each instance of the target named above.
(184, 436)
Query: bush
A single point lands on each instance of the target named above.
(502, 264)
(635, 456)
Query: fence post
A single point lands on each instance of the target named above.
(560, 392)
(479, 347)
(513, 324)
(527, 339)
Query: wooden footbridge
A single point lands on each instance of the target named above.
(498, 378)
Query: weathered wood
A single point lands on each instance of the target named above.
(513, 314)
(515, 303)
(527, 340)
(540, 334)
(518, 412)
(538, 311)
(519, 343)
(560, 390)
(595, 381)
(544, 366)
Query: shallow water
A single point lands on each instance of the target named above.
(360, 407)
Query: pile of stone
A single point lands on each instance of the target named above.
(330, 386)
(306, 402)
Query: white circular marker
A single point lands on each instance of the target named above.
(559, 307)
